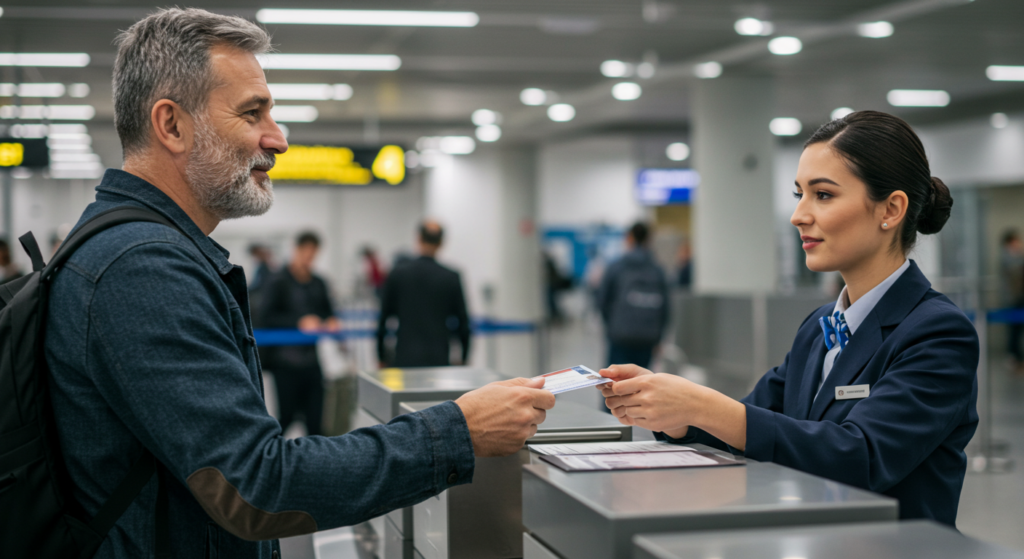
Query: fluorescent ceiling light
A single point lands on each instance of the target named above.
(32, 89)
(310, 91)
(28, 131)
(785, 126)
(918, 98)
(488, 133)
(753, 26)
(483, 117)
(78, 90)
(677, 151)
(74, 157)
(561, 112)
(69, 139)
(53, 59)
(999, 120)
(875, 29)
(52, 112)
(707, 70)
(646, 70)
(841, 112)
(784, 46)
(1005, 73)
(371, 62)
(294, 113)
(68, 129)
(369, 17)
(616, 69)
(533, 96)
(626, 91)
(457, 145)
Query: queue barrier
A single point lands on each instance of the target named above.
(268, 337)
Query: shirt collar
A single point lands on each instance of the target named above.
(857, 312)
(123, 184)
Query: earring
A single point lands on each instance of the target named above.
(885, 225)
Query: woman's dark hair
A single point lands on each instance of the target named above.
(884, 152)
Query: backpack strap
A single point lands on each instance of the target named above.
(103, 220)
(28, 242)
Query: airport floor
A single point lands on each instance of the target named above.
(991, 505)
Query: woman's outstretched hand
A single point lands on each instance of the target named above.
(671, 404)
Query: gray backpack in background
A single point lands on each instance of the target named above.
(638, 308)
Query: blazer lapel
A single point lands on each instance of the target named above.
(812, 375)
(848, 365)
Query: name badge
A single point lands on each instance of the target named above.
(854, 392)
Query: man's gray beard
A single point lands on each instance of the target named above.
(220, 176)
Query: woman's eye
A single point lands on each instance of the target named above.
(798, 195)
(823, 195)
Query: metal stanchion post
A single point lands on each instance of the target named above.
(989, 458)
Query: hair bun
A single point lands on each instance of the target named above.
(936, 211)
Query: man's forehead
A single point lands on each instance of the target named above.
(235, 68)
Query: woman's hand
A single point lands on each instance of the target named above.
(667, 403)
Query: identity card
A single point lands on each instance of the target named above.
(572, 379)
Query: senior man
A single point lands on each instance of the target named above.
(150, 346)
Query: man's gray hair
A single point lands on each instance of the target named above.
(167, 56)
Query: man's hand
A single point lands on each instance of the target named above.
(502, 415)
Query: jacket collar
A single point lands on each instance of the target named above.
(125, 185)
(895, 305)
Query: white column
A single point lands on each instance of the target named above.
(734, 231)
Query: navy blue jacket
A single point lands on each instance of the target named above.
(149, 344)
(919, 354)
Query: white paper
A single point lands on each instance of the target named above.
(636, 460)
(572, 379)
(607, 448)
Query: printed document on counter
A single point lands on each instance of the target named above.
(638, 461)
(572, 379)
(608, 448)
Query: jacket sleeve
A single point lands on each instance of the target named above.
(925, 392)
(163, 354)
(462, 314)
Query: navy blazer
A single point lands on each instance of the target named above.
(919, 354)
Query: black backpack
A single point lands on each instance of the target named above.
(637, 313)
(41, 518)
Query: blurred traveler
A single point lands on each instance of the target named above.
(1011, 268)
(428, 301)
(373, 272)
(297, 298)
(634, 301)
(8, 269)
(554, 284)
(150, 350)
(684, 264)
(264, 266)
(879, 390)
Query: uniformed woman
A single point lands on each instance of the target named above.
(879, 388)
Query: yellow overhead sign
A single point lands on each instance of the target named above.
(340, 165)
(11, 154)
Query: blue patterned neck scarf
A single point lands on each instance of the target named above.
(836, 330)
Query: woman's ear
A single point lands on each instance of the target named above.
(894, 210)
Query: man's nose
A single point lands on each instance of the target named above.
(274, 140)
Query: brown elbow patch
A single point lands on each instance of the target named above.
(227, 508)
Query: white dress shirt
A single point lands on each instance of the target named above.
(856, 313)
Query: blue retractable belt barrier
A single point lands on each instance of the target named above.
(266, 337)
(1007, 316)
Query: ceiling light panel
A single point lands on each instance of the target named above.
(310, 91)
(707, 70)
(366, 62)
(369, 17)
(51, 112)
(753, 26)
(561, 112)
(785, 126)
(918, 98)
(875, 29)
(49, 59)
(533, 96)
(626, 91)
(1005, 73)
(616, 69)
(32, 89)
(294, 113)
(784, 46)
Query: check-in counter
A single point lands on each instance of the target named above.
(889, 540)
(483, 520)
(594, 515)
(380, 395)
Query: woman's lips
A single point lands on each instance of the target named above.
(810, 242)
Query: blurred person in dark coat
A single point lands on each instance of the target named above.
(295, 297)
(8, 269)
(1011, 264)
(428, 301)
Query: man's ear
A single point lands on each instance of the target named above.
(172, 126)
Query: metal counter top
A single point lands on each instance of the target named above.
(889, 540)
(593, 515)
(381, 392)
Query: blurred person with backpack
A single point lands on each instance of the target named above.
(634, 301)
